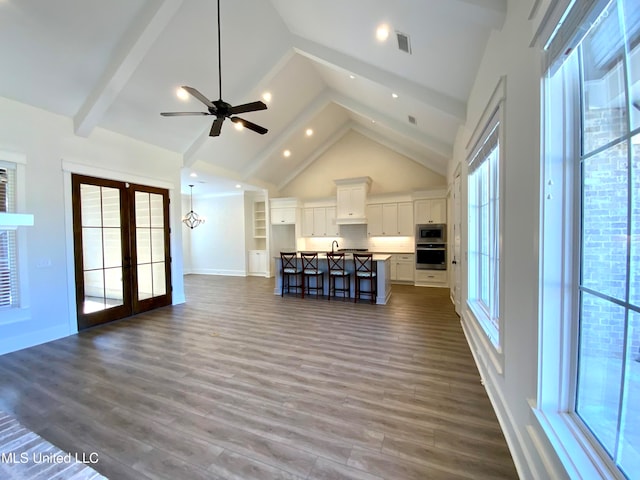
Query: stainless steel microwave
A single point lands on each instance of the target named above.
(431, 233)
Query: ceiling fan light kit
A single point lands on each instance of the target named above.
(219, 108)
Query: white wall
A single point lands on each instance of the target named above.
(512, 386)
(48, 142)
(218, 246)
(355, 155)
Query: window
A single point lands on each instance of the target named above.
(484, 229)
(8, 249)
(591, 238)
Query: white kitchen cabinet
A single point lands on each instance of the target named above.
(390, 219)
(333, 229)
(283, 216)
(319, 222)
(431, 278)
(431, 211)
(406, 225)
(374, 219)
(351, 200)
(307, 222)
(402, 267)
(257, 262)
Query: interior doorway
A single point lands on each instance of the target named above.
(121, 247)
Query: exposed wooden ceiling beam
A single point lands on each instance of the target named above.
(334, 59)
(131, 50)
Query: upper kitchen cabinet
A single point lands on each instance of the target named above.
(390, 219)
(352, 200)
(319, 222)
(283, 211)
(432, 210)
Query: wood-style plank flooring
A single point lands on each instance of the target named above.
(241, 384)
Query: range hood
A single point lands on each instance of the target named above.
(352, 200)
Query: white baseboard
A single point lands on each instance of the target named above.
(33, 338)
(217, 271)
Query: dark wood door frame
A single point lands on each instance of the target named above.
(131, 304)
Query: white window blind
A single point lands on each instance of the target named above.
(8, 244)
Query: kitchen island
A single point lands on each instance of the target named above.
(383, 277)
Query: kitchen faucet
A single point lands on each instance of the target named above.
(336, 242)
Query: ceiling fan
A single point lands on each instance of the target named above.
(220, 108)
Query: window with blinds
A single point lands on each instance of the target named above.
(8, 247)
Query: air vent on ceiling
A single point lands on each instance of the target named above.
(412, 120)
(403, 42)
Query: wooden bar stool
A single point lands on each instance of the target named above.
(290, 269)
(365, 269)
(311, 269)
(336, 271)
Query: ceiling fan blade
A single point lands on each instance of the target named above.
(249, 125)
(216, 127)
(182, 114)
(199, 96)
(247, 107)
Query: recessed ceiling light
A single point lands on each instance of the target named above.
(373, 121)
(239, 125)
(287, 153)
(308, 132)
(382, 33)
(193, 175)
(266, 96)
(182, 94)
(394, 95)
(238, 185)
(352, 76)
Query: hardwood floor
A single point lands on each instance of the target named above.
(239, 383)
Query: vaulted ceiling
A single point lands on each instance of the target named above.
(117, 64)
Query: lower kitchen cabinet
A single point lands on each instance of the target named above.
(257, 262)
(431, 278)
(402, 267)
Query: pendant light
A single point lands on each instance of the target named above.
(191, 219)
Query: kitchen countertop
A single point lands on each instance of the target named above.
(377, 257)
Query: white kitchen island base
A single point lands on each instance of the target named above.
(383, 276)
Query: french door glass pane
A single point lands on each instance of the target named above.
(157, 210)
(112, 247)
(159, 283)
(142, 209)
(101, 247)
(604, 221)
(92, 253)
(91, 205)
(600, 362)
(110, 207)
(143, 245)
(145, 282)
(629, 448)
(157, 245)
(604, 94)
(150, 244)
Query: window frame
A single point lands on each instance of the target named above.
(15, 221)
(494, 112)
(560, 266)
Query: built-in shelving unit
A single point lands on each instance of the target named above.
(259, 219)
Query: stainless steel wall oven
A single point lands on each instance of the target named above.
(431, 256)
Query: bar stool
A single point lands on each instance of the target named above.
(365, 269)
(310, 268)
(337, 270)
(290, 269)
